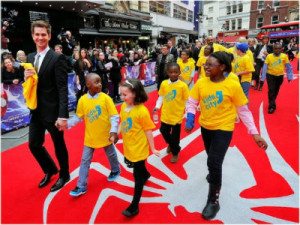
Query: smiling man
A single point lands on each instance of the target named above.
(52, 106)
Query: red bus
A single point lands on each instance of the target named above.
(280, 30)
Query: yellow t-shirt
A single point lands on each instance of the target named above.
(200, 63)
(241, 64)
(186, 69)
(276, 64)
(233, 76)
(96, 113)
(249, 53)
(218, 102)
(134, 123)
(174, 96)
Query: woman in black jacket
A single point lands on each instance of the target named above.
(11, 74)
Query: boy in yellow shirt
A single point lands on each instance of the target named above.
(101, 126)
(187, 68)
(173, 94)
(273, 69)
(243, 67)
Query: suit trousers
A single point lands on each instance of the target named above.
(274, 83)
(37, 129)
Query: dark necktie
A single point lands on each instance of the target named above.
(36, 64)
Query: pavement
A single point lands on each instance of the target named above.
(20, 136)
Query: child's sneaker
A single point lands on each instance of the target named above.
(113, 176)
(77, 192)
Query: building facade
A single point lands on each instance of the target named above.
(172, 20)
(271, 12)
(209, 24)
(234, 20)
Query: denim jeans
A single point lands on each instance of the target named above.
(87, 156)
(246, 88)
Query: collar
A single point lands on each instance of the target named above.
(170, 82)
(44, 52)
(91, 97)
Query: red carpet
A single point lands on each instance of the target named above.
(258, 187)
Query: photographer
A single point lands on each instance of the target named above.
(68, 43)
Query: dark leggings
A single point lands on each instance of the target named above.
(216, 143)
(140, 174)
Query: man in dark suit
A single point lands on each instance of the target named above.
(52, 106)
(260, 54)
(173, 50)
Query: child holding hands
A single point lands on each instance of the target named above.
(136, 128)
(101, 126)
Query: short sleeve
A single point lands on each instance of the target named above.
(194, 93)
(238, 98)
(80, 108)
(111, 106)
(145, 119)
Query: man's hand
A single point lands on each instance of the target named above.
(61, 124)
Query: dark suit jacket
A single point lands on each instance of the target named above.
(259, 47)
(174, 52)
(52, 89)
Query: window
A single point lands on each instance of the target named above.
(241, 7)
(89, 22)
(228, 10)
(179, 12)
(275, 19)
(210, 22)
(190, 16)
(210, 32)
(232, 24)
(239, 24)
(234, 9)
(276, 3)
(211, 9)
(259, 22)
(260, 4)
(226, 25)
(162, 7)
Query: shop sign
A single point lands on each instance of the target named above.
(34, 15)
(146, 27)
(110, 23)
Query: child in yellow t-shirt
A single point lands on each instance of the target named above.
(273, 69)
(202, 60)
(220, 99)
(187, 68)
(243, 67)
(101, 126)
(173, 94)
(136, 128)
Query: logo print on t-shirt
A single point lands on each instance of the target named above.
(94, 114)
(213, 100)
(126, 125)
(171, 96)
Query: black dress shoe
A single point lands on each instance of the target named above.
(129, 213)
(271, 110)
(59, 183)
(46, 179)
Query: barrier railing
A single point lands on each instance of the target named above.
(15, 114)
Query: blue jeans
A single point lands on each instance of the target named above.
(246, 88)
(87, 155)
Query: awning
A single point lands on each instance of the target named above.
(109, 33)
(177, 31)
(229, 39)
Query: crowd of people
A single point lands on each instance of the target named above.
(221, 94)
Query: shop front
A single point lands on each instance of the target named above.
(231, 36)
